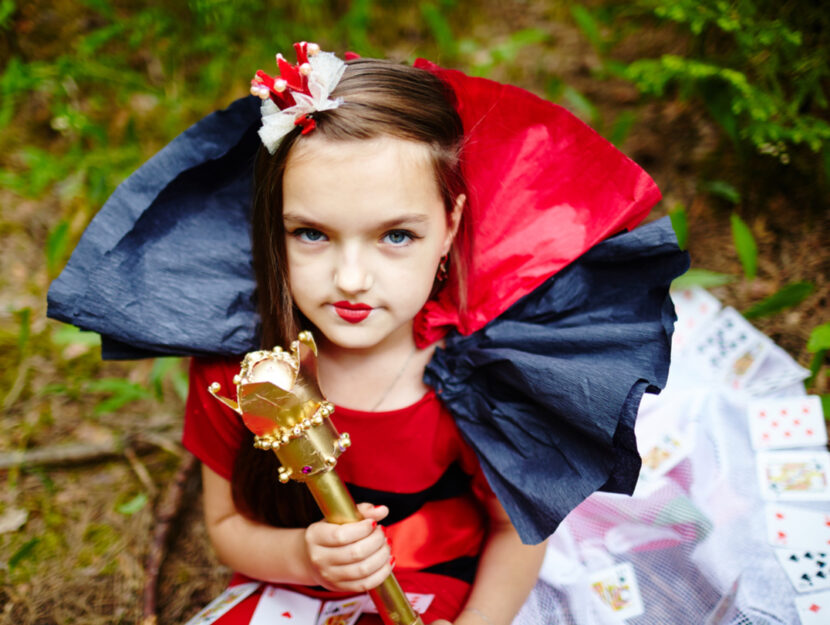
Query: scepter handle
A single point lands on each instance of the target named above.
(338, 507)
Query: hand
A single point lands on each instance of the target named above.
(440, 621)
(354, 557)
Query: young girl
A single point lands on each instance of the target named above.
(393, 205)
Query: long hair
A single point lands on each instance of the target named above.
(379, 99)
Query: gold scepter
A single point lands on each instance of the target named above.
(279, 400)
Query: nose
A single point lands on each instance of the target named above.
(352, 274)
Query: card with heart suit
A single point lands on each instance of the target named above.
(224, 602)
(798, 528)
(419, 601)
(342, 611)
(814, 609)
(731, 348)
(617, 589)
(278, 606)
(694, 308)
(794, 475)
(808, 570)
(785, 422)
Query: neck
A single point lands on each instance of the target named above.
(386, 376)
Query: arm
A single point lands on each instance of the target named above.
(507, 572)
(352, 557)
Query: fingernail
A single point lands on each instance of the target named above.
(392, 562)
(374, 524)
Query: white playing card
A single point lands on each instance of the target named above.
(278, 606)
(420, 602)
(342, 611)
(808, 569)
(814, 609)
(731, 348)
(794, 475)
(224, 602)
(617, 590)
(665, 453)
(797, 528)
(694, 308)
(786, 422)
(777, 371)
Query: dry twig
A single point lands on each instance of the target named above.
(168, 510)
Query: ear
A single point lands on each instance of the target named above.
(453, 221)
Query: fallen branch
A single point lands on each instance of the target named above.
(79, 453)
(168, 511)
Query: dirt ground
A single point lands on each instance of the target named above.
(79, 555)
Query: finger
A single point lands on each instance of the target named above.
(361, 576)
(326, 534)
(358, 551)
(369, 511)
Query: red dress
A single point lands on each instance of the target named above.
(412, 460)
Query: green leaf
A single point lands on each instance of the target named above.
(745, 246)
(440, 28)
(66, 334)
(589, 27)
(132, 506)
(24, 553)
(723, 189)
(25, 316)
(702, 278)
(580, 105)
(815, 366)
(680, 224)
(56, 245)
(825, 406)
(121, 392)
(789, 295)
(621, 127)
(819, 338)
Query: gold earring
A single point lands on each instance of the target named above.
(443, 272)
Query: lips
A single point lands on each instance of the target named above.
(353, 313)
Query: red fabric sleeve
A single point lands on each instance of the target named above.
(212, 431)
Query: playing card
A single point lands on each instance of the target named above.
(664, 454)
(420, 602)
(617, 589)
(278, 606)
(224, 602)
(794, 475)
(797, 528)
(781, 423)
(694, 308)
(776, 372)
(808, 570)
(731, 348)
(814, 609)
(342, 611)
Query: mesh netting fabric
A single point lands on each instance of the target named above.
(695, 537)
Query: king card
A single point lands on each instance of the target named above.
(780, 423)
(342, 611)
(664, 454)
(794, 475)
(618, 591)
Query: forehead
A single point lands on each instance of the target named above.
(382, 175)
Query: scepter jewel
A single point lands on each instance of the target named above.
(297, 92)
(280, 401)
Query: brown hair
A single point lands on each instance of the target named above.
(379, 98)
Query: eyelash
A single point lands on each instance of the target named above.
(306, 234)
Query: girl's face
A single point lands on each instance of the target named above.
(366, 228)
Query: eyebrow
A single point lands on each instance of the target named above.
(403, 220)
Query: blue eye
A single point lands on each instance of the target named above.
(398, 237)
(308, 234)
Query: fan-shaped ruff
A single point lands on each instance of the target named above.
(548, 392)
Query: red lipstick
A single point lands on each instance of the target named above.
(353, 313)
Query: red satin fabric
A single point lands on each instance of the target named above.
(543, 188)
